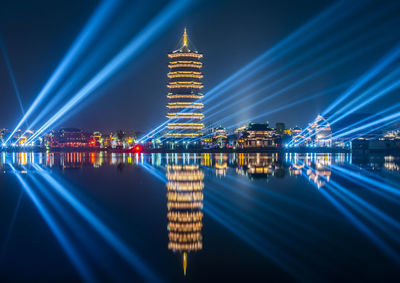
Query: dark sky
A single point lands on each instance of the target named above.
(230, 33)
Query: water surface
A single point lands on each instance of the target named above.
(197, 217)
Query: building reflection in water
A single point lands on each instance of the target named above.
(316, 166)
(390, 163)
(221, 164)
(253, 165)
(185, 206)
(259, 165)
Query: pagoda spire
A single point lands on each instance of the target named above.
(185, 39)
(184, 263)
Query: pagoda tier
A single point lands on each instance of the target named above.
(184, 96)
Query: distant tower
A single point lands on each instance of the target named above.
(184, 106)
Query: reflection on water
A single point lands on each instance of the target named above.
(252, 165)
(260, 198)
(185, 203)
(259, 166)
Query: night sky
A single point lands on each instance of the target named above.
(230, 33)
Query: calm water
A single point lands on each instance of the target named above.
(187, 217)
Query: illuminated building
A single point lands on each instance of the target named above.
(280, 128)
(216, 137)
(185, 209)
(392, 135)
(258, 135)
(321, 131)
(184, 106)
(68, 137)
(220, 136)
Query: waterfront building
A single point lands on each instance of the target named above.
(185, 208)
(392, 135)
(67, 137)
(216, 137)
(184, 96)
(296, 131)
(258, 135)
(220, 137)
(280, 128)
(106, 141)
(321, 132)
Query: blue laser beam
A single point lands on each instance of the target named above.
(247, 235)
(289, 105)
(110, 237)
(78, 230)
(304, 79)
(88, 65)
(11, 73)
(11, 227)
(65, 243)
(318, 24)
(388, 118)
(294, 40)
(90, 30)
(356, 222)
(312, 51)
(368, 119)
(134, 47)
(370, 74)
(388, 188)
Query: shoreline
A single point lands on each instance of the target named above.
(212, 150)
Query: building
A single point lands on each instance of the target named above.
(184, 96)
(258, 135)
(220, 137)
(67, 137)
(280, 128)
(216, 137)
(321, 132)
(3, 135)
(185, 208)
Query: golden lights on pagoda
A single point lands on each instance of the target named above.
(184, 95)
(185, 209)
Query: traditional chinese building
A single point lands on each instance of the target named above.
(184, 96)
(257, 135)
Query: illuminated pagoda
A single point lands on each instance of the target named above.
(184, 106)
(185, 205)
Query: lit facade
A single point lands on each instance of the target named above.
(185, 209)
(184, 96)
(257, 135)
(321, 131)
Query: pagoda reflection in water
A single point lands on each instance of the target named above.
(185, 207)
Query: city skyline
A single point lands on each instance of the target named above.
(134, 97)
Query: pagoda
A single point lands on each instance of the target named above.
(184, 96)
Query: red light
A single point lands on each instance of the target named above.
(137, 148)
